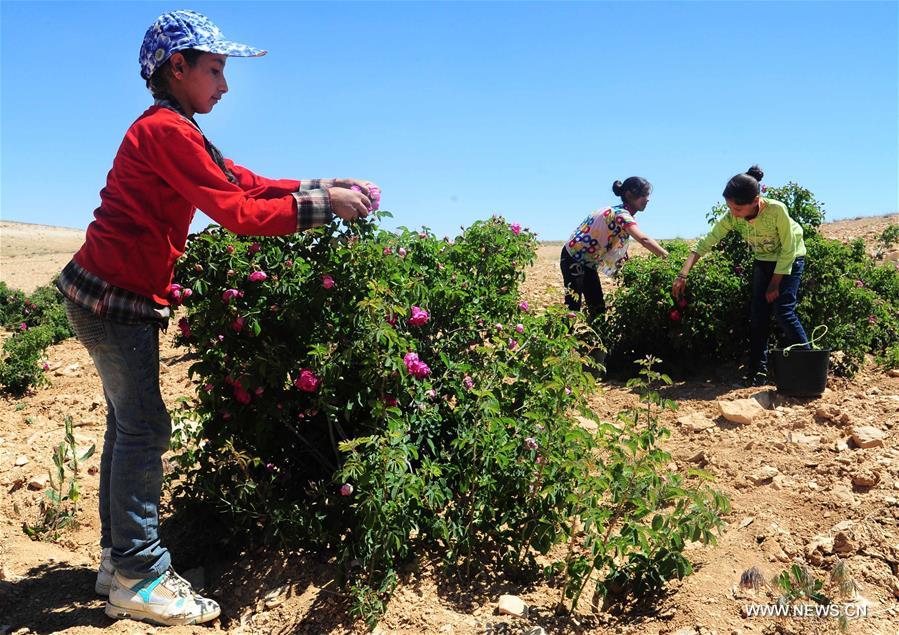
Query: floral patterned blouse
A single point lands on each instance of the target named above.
(600, 241)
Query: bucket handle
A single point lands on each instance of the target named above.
(811, 342)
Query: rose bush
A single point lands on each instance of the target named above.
(36, 321)
(373, 403)
(842, 288)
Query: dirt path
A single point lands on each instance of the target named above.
(826, 497)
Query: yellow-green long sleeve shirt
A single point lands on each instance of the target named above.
(772, 235)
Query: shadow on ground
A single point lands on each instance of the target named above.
(51, 598)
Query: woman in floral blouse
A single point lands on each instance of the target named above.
(600, 243)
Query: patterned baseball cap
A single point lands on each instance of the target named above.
(179, 30)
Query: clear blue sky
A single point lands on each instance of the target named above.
(460, 110)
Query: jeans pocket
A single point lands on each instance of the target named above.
(89, 329)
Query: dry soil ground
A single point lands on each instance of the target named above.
(825, 498)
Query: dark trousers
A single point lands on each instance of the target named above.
(581, 283)
(784, 308)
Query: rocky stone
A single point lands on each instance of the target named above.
(866, 478)
(894, 587)
(21, 460)
(843, 494)
(829, 412)
(843, 525)
(867, 436)
(695, 422)
(821, 543)
(842, 544)
(764, 474)
(893, 372)
(533, 630)
(765, 398)
(811, 440)
(587, 424)
(781, 482)
(511, 605)
(68, 371)
(38, 482)
(840, 445)
(741, 410)
(699, 459)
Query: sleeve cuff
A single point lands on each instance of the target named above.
(784, 270)
(316, 184)
(313, 208)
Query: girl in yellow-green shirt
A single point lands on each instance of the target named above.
(777, 244)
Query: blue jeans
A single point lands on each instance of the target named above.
(138, 428)
(784, 310)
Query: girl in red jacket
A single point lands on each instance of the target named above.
(117, 283)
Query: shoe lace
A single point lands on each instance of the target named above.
(178, 584)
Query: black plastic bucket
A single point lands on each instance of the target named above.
(800, 372)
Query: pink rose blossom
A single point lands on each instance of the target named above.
(238, 324)
(763, 188)
(307, 381)
(859, 283)
(327, 281)
(872, 319)
(241, 394)
(419, 317)
(523, 305)
(230, 249)
(174, 294)
(415, 366)
(422, 235)
(45, 366)
(184, 325)
(387, 251)
(402, 252)
(513, 344)
(257, 276)
(255, 247)
(571, 315)
(516, 228)
(346, 490)
(468, 382)
(228, 294)
(675, 315)
(431, 393)
(23, 326)
(567, 390)
(392, 319)
(519, 328)
(389, 400)
(531, 443)
(498, 326)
